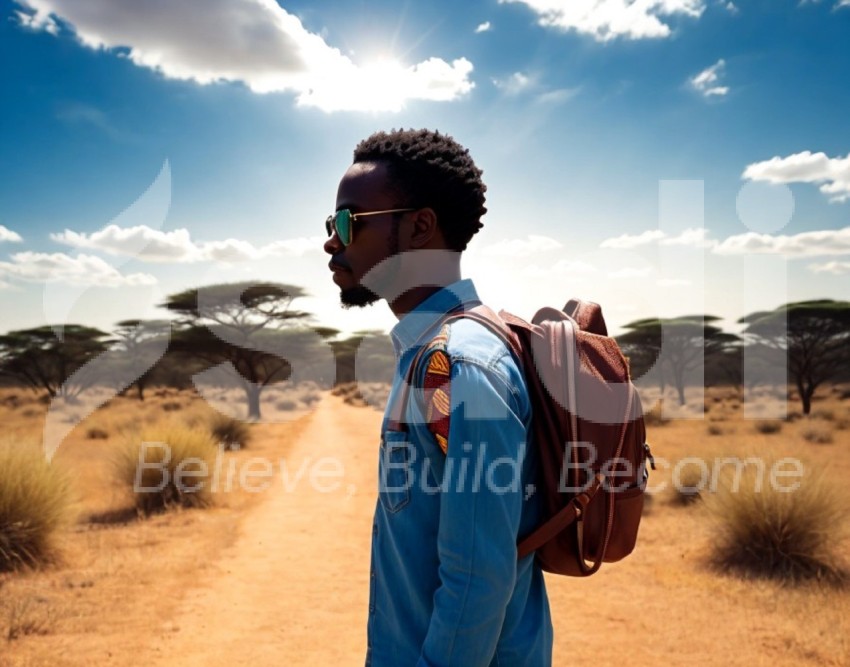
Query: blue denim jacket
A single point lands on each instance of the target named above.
(446, 586)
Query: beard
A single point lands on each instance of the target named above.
(359, 297)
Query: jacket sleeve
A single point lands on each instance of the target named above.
(480, 511)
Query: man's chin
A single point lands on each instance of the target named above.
(358, 297)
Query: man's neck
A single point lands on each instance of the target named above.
(420, 275)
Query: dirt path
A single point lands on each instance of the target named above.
(293, 589)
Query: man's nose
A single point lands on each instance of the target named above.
(333, 245)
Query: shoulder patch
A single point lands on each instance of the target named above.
(437, 389)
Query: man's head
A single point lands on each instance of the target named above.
(422, 191)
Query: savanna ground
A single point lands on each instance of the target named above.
(281, 577)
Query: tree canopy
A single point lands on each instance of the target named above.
(680, 345)
(815, 335)
(243, 325)
(40, 359)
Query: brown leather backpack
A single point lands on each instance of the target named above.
(589, 432)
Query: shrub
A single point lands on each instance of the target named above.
(172, 406)
(230, 433)
(167, 467)
(95, 433)
(714, 429)
(654, 416)
(286, 404)
(788, 536)
(690, 480)
(817, 435)
(34, 504)
(768, 427)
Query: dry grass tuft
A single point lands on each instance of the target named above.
(34, 504)
(230, 433)
(654, 416)
(688, 485)
(26, 617)
(768, 427)
(166, 467)
(823, 415)
(714, 429)
(817, 435)
(172, 406)
(788, 536)
(95, 433)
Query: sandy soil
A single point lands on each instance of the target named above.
(293, 588)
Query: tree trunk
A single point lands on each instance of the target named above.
(252, 391)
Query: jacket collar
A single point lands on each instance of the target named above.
(413, 326)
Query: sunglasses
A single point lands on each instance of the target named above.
(340, 222)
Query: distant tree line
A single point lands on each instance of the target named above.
(245, 335)
(248, 335)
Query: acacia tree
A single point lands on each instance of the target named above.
(815, 336)
(679, 344)
(243, 324)
(40, 359)
(138, 341)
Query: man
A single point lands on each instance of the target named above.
(455, 469)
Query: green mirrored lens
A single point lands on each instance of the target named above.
(342, 224)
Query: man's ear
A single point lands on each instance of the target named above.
(425, 229)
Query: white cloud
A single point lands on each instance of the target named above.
(805, 244)
(8, 236)
(40, 267)
(38, 21)
(515, 84)
(695, 237)
(153, 245)
(484, 27)
(557, 96)
(521, 247)
(842, 3)
(610, 19)
(706, 83)
(732, 8)
(563, 267)
(835, 268)
(255, 42)
(833, 174)
(631, 241)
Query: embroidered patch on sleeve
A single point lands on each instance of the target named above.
(438, 397)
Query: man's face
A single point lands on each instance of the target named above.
(364, 187)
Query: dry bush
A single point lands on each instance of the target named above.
(688, 487)
(25, 617)
(654, 417)
(286, 404)
(789, 536)
(34, 504)
(95, 433)
(230, 433)
(817, 435)
(792, 417)
(714, 429)
(845, 394)
(823, 415)
(166, 467)
(344, 389)
(768, 427)
(172, 406)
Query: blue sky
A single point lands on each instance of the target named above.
(662, 157)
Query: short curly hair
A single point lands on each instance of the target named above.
(430, 169)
